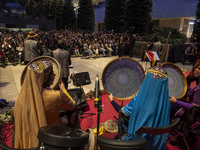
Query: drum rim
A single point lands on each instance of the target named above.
(118, 98)
(184, 79)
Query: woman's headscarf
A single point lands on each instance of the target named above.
(152, 108)
(29, 113)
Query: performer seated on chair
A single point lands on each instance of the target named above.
(37, 104)
(178, 107)
(188, 111)
(150, 107)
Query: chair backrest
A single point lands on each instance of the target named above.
(158, 130)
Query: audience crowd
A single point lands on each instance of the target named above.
(92, 45)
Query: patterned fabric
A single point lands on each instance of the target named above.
(158, 72)
(46, 66)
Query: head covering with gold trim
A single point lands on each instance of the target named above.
(46, 66)
(158, 72)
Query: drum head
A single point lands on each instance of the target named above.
(111, 126)
(56, 69)
(123, 77)
(176, 79)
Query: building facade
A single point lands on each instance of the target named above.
(179, 14)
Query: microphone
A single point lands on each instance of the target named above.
(96, 92)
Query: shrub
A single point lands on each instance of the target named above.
(162, 33)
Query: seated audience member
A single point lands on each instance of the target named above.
(86, 50)
(102, 49)
(150, 107)
(37, 104)
(109, 48)
(190, 53)
(178, 107)
(76, 50)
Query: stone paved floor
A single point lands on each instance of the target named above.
(10, 76)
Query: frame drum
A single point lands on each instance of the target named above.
(123, 77)
(176, 79)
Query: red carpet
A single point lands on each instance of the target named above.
(7, 134)
(89, 118)
(89, 121)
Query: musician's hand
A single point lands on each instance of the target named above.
(61, 85)
(110, 97)
(172, 99)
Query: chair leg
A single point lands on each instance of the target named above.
(179, 134)
(186, 143)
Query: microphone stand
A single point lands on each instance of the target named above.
(97, 102)
(98, 114)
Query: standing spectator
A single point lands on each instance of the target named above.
(31, 47)
(131, 45)
(121, 47)
(2, 56)
(190, 53)
(156, 46)
(62, 56)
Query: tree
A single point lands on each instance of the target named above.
(114, 15)
(23, 4)
(85, 17)
(196, 30)
(38, 9)
(138, 14)
(52, 9)
(30, 9)
(58, 14)
(45, 8)
(69, 18)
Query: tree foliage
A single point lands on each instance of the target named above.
(52, 10)
(30, 8)
(162, 33)
(138, 14)
(85, 17)
(114, 15)
(45, 8)
(69, 18)
(196, 30)
(58, 14)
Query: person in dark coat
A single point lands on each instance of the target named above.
(62, 56)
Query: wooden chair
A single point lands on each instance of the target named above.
(158, 130)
